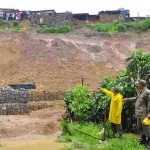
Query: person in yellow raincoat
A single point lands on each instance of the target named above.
(115, 109)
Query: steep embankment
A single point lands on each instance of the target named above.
(57, 62)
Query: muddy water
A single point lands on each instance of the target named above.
(40, 144)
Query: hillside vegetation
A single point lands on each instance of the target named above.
(110, 28)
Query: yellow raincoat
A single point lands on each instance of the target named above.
(115, 106)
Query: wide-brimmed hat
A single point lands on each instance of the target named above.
(142, 82)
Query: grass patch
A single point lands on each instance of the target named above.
(69, 130)
(12, 25)
(127, 143)
(79, 141)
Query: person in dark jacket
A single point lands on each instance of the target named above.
(142, 110)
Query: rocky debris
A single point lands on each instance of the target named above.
(93, 48)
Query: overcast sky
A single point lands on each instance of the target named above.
(80, 6)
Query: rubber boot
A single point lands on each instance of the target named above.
(120, 136)
(113, 135)
(148, 143)
(143, 139)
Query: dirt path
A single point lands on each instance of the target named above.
(37, 130)
(40, 122)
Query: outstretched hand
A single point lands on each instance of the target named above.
(99, 88)
(125, 100)
(148, 115)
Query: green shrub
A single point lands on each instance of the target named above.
(65, 128)
(62, 29)
(143, 25)
(131, 25)
(78, 100)
(10, 25)
(2, 27)
(121, 27)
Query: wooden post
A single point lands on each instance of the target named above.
(82, 81)
(44, 95)
(105, 123)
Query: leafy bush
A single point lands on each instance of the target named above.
(139, 66)
(111, 28)
(10, 25)
(79, 100)
(143, 25)
(62, 29)
(121, 27)
(65, 127)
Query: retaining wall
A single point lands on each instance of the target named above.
(13, 102)
(45, 95)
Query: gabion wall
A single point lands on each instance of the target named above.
(13, 101)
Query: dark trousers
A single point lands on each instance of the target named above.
(117, 128)
(142, 129)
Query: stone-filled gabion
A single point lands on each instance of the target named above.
(13, 101)
(23, 86)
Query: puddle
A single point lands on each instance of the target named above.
(40, 144)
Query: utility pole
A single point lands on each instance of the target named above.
(138, 16)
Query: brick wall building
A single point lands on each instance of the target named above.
(50, 17)
(109, 16)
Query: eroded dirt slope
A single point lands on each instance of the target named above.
(57, 62)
